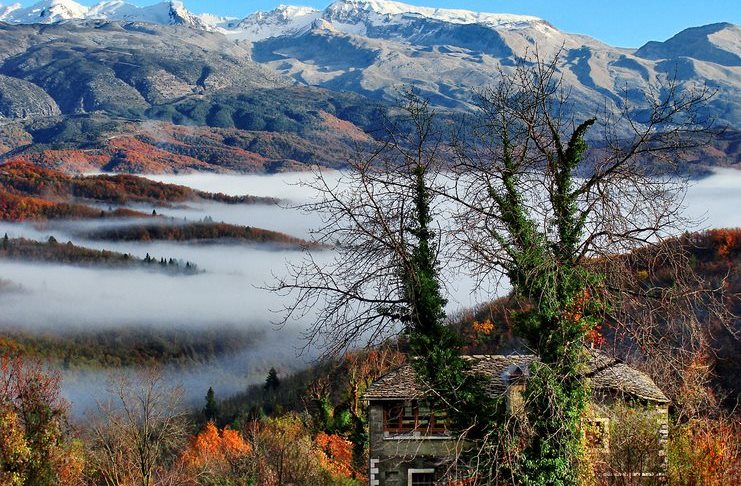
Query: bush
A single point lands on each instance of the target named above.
(706, 452)
(36, 447)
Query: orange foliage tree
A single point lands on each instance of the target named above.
(706, 452)
(216, 452)
(36, 446)
(335, 454)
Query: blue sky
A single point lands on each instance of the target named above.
(625, 23)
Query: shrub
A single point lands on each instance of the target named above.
(706, 452)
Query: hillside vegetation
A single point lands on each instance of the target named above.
(28, 179)
(171, 230)
(126, 347)
(51, 251)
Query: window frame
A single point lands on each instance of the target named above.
(435, 422)
(412, 472)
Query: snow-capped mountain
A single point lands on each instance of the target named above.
(6, 10)
(373, 47)
(44, 12)
(349, 16)
(164, 13)
(284, 20)
(366, 17)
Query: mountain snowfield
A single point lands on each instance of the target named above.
(373, 47)
(166, 13)
(350, 16)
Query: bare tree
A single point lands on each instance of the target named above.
(537, 206)
(532, 202)
(367, 214)
(137, 434)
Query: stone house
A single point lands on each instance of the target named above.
(411, 446)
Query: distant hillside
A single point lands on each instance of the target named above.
(119, 88)
(203, 231)
(265, 131)
(78, 97)
(27, 179)
(127, 347)
(14, 207)
(21, 249)
(29, 192)
(714, 255)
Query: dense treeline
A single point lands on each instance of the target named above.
(52, 251)
(268, 110)
(27, 179)
(143, 436)
(197, 231)
(127, 347)
(14, 207)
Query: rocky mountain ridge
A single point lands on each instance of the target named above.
(372, 47)
(61, 59)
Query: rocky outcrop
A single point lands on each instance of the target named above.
(21, 99)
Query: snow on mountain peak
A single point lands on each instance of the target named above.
(45, 12)
(283, 20)
(352, 16)
(357, 16)
(6, 10)
(166, 12)
(389, 9)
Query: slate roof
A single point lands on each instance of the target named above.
(607, 375)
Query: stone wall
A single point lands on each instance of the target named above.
(392, 456)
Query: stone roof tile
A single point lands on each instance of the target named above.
(607, 375)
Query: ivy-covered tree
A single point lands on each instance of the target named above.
(537, 206)
(523, 199)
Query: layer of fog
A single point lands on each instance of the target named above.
(227, 375)
(229, 292)
(711, 202)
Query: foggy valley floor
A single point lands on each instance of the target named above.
(228, 291)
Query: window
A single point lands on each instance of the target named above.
(413, 416)
(421, 477)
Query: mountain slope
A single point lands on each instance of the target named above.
(716, 43)
(125, 68)
(43, 12)
(118, 61)
(374, 46)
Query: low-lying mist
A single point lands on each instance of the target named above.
(229, 292)
(227, 375)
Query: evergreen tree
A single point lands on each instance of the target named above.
(272, 382)
(211, 410)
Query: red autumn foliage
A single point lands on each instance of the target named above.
(26, 179)
(706, 452)
(22, 208)
(215, 448)
(34, 439)
(335, 454)
(726, 241)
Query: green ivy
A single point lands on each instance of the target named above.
(547, 275)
